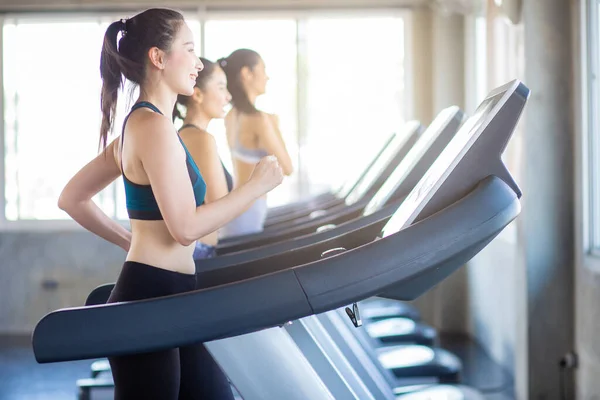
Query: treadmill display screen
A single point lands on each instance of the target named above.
(379, 166)
(424, 142)
(423, 191)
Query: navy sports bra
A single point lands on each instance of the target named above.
(140, 200)
(228, 176)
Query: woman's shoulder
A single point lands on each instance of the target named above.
(258, 120)
(148, 124)
(195, 135)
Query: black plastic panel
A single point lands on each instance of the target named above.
(168, 322)
(415, 250)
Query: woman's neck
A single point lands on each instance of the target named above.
(159, 95)
(197, 118)
(252, 98)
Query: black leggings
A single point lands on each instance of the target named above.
(184, 373)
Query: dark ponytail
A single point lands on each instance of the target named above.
(155, 27)
(110, 72)
(176, 111)
(232, 65)
(203, 77)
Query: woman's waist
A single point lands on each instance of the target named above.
(153, 245)
(138, 281)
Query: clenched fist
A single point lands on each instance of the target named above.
(267, 174)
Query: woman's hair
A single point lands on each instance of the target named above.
(155, 27)
(232, 65)
(201, 80)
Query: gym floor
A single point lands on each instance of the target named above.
(22, 378)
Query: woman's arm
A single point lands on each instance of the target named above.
(203, 148)
(270, 138)
(76, 198)
(274, 118)
(163, 160)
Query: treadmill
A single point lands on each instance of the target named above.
(327, 199)
(426, 391)
(307, 248)
(353, 204)
(445, 366)
(457, 207)
(430, 144)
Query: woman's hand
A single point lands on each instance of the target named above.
(267, 174)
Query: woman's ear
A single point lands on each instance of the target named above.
(198, 96)
(246, 74)
(157, 57)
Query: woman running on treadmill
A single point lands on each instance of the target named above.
(164, 195)
(251, 134)
(208, 101)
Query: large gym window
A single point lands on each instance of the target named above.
(52, 113)
(275, 40)
(355, 92)
(336, 81)
(51, 118)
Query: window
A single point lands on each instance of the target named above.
(476, 61)
(355, 93)
(51, 117)
(335, 83)
(52, 114)
(346, 103)
(480, 58)
(275, 41)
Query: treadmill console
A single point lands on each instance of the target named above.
(445, 163)
(412, 158)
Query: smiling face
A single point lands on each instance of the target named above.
(213, 94)
(182, 64)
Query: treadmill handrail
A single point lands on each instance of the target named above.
(279, 234)
(299, 243)
(272, 299)
(241, 265)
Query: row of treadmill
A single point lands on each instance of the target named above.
(314, 307)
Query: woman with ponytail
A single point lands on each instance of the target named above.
(164, 195)
(196, 111)
(251, 134)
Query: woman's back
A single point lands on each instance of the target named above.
(243, 140)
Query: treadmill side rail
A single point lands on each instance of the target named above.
(170, 321)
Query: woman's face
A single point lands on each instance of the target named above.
(258, 78)
(214, 94)
(183, 65)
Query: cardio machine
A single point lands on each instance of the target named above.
(463, 201)
(444, 366)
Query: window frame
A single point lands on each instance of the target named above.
(586, 28)
(202, 15)
(592, 127)
(475, 88)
